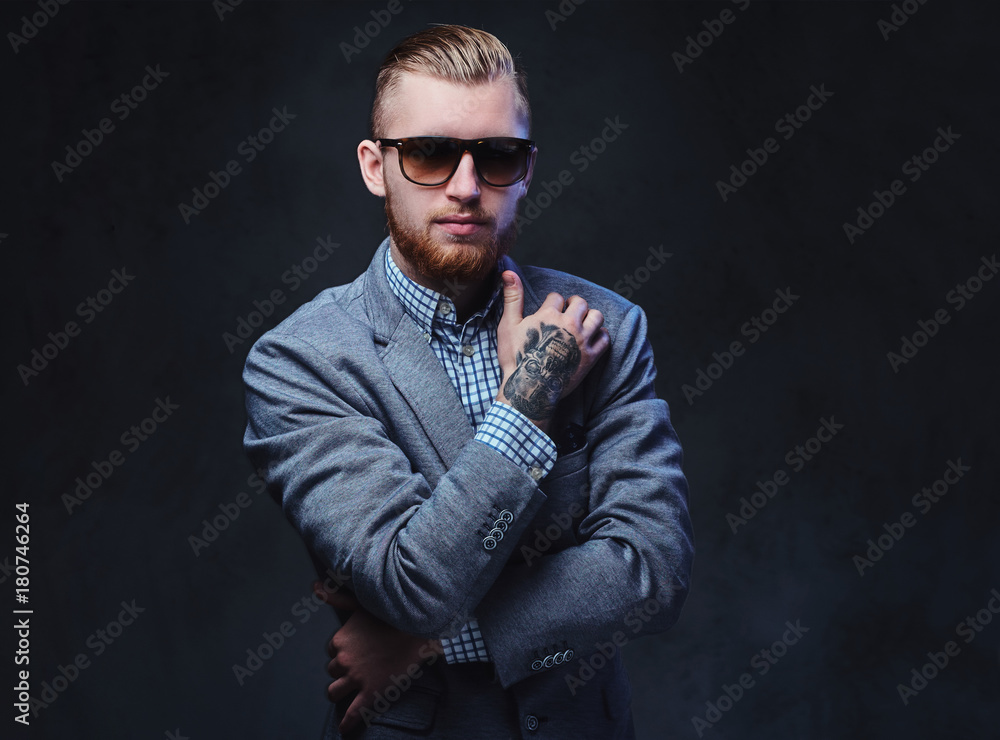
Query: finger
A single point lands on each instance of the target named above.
(599, 342)
(576, 307)
(513, 298)
(331, 645)
(353, 714)
(335, 669)
(555, 301)
(593, 321)
(340, 688)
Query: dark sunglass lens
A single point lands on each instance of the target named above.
(502, 161)
(429, 160)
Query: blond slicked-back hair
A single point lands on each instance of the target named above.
(455, 53)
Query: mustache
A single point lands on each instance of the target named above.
(477, 213)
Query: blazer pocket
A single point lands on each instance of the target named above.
(414, 710)
(567, 501)
(569, 464)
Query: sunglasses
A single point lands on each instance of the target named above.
(431, 160)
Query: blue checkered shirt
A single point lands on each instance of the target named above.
(469, 356)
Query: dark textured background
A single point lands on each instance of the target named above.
(172, 669)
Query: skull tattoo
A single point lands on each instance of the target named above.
(543, 369)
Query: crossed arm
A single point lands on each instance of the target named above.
(415, 564)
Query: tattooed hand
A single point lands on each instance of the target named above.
(545, 356)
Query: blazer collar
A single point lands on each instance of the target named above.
(412, 365)
(384, 309)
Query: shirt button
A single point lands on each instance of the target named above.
(531, 722)
(427, 336)
(468, 350)
(443, 308)
(536, 472)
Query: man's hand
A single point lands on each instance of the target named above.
(366, 653)
(546, 355)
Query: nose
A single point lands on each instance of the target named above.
(464, 184)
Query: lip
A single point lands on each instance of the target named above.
(460, 225)
(461, 228)
(459, 220)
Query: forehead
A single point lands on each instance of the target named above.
(423, 105)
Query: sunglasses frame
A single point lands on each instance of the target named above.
(465, 145)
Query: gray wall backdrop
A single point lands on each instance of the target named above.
(887, 93)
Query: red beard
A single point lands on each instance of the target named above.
(472, 261)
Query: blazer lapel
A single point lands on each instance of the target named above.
(412, 365)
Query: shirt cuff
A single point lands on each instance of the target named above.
(513, 435)
(468, 646)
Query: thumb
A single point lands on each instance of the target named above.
(513, 297)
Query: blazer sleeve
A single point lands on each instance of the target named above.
(415, 554)
(634, 544)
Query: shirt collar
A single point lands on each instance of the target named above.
(423, 305)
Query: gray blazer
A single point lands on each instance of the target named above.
(369, 451)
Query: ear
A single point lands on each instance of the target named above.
(370, 158)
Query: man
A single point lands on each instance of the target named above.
(476, 444)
